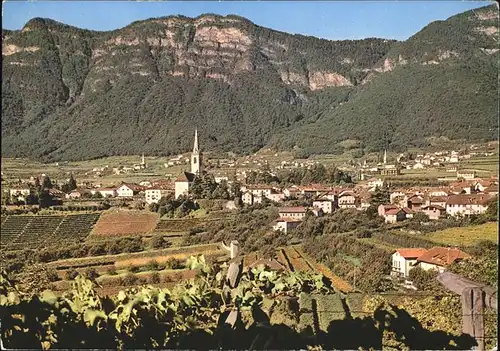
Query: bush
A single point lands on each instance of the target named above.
(129, 279)
(174, 263)
(155, 278)
(52, 275)
(134, 269)
(157, 242)
(71, 274)
(91, 273)
(152, 266)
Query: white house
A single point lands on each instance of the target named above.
(128, 190)
(347, 199)
(297, 213)
(325, 204)
(404, 259)
(154, 194)
(466, 174)
(467, 205)
(285, 224)
(19, 192)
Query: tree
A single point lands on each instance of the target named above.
(72, 183)
(491, 213)
(380, 196)
(45, 199)
(47, 183)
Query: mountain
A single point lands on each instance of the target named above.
(69, 93)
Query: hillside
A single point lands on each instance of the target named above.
(74, 94)
(443, 81)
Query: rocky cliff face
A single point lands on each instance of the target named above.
(212, 47)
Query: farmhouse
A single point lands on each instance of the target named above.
(285, 224)
(19, 192)
(466, 174)
(128, 189)
(293, 212)
(404, 259)
(325, 204)
(347, 199)
(438, 258)
(77, 193)
(467, 205)
(434, 212)
(154, 194)
(383, 209)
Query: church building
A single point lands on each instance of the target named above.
(184, 181)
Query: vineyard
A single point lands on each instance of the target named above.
(125, 222)
(179, 225)
(137, 258)
(21, 232)
(465, 236)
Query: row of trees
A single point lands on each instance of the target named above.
(317, 173)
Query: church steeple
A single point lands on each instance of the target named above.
(195, 147)
(196, 156)
(385, 157)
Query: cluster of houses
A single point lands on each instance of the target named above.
(436, 258)
(463, 198)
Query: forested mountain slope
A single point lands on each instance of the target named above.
(69, 93)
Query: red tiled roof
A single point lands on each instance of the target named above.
(393, 211)
(407, 210)
(475, 199)
(442, 256)
(298, 209)
(132, 186)
(412, 252)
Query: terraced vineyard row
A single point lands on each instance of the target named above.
(136, 258)
(180, 225)
(296, 260)
(338, 283)
(21, 232)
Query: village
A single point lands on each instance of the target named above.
(463, 195)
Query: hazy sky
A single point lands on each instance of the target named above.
(329, 20)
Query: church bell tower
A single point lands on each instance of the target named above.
(196, 156)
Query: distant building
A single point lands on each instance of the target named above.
(155, 193)
(325, 204)
(466, 174)
(128, 189)
(467, 205)
(285, 224)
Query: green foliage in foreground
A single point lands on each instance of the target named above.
(204, 313)
(140, 317)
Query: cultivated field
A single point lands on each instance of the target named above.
(466, 235)
(118, 222)
(22, 232)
